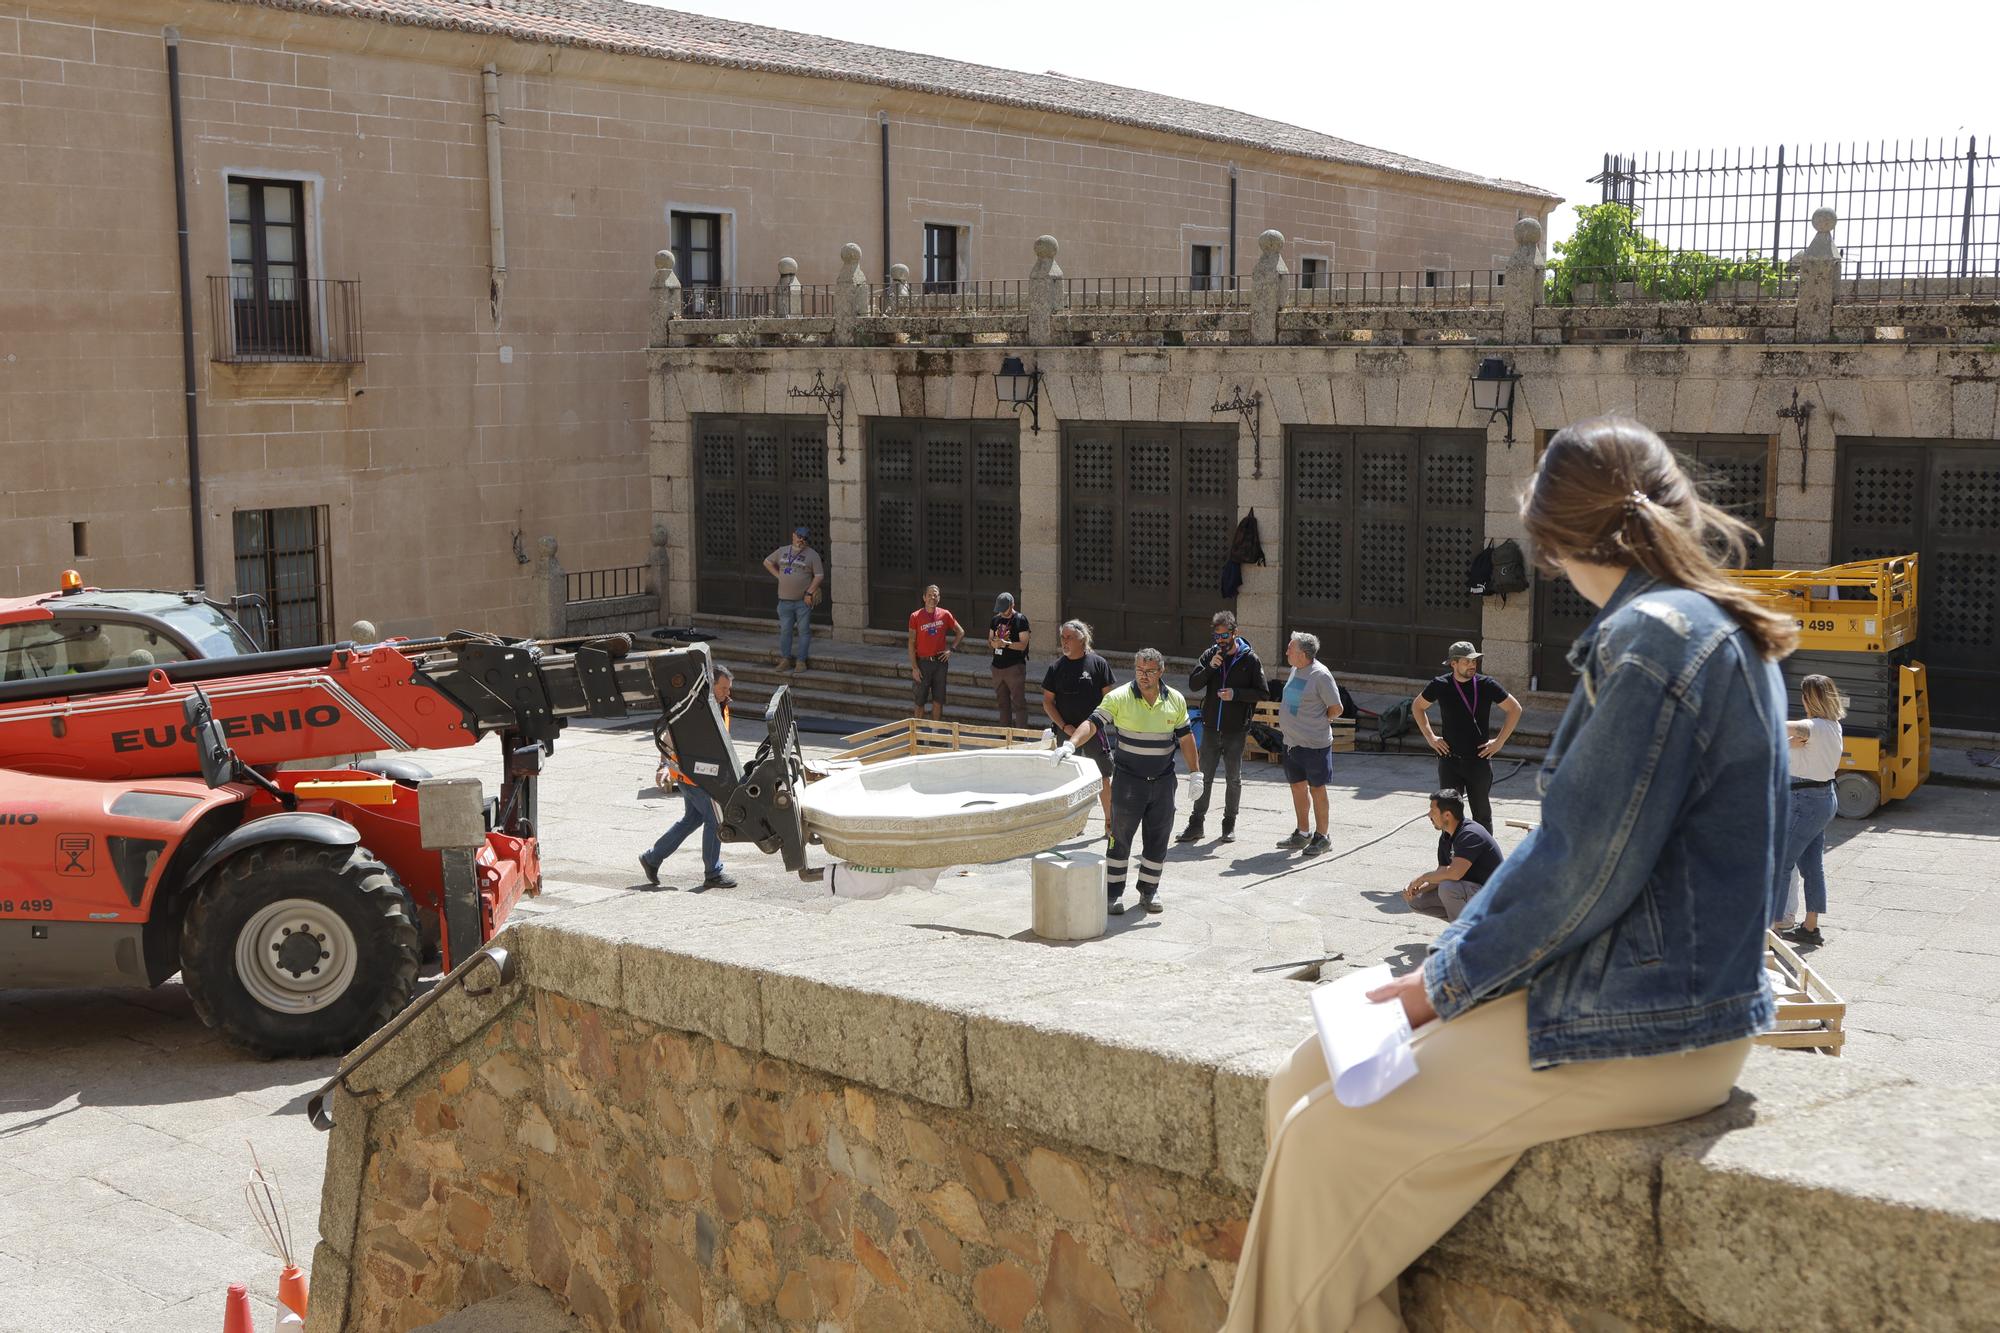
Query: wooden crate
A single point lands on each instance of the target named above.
(1266, 713)
(1810, 1013)
(910, 736)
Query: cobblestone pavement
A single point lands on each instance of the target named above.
(124, 1124)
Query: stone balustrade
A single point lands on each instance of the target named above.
(1506, 305)
(695, 1112)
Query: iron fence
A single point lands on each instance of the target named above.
(809, 300)
(254, 319)
(958, 298)
(1409, 287)
(1142, 294)
(1922, 205)
(590, 585)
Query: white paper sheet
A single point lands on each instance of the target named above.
(1367, 1045)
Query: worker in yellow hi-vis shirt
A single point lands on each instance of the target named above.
(1147, 719)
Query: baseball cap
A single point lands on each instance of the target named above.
(802, 531)
(1461, 649)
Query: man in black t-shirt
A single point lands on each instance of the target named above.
(1465, 699)
(1072, 688)
(1467, 858)
(1007, 636)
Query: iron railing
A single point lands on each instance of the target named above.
(1883, 282)
(1410, 287)
(1929, 203)
(284, 319)
(590, 585)
(809, 300)
(1182, 292)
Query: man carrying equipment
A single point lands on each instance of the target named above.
(1150, 719)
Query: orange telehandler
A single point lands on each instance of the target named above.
(145, 828)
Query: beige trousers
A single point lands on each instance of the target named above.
(1350, 1198)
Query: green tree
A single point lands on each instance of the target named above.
(1608, 248)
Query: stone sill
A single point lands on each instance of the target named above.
(1720, 1222)
(274, 380)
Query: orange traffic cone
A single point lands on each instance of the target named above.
(236, 1315)
(292, 1290)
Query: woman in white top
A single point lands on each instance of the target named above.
(1815, 759)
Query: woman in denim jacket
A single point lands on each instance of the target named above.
(1611, 974)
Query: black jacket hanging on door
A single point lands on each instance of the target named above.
(1245, 548)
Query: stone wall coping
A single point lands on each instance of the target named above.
(1726, 1219)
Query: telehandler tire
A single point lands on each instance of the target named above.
(295, 949)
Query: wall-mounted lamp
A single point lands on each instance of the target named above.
(1800, 415)
(834, 400)
(1493, 391)
(1017, 387)
(1251, 409)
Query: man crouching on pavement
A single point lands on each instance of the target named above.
(1467, 858)
(1150, 718)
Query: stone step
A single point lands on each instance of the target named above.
(522, 1310)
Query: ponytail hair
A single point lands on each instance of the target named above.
(1609, 491)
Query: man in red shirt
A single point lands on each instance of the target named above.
(934, 633)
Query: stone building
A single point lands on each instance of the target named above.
(1842, 418)
(417, 240)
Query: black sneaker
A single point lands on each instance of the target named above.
(1152, 906)
(1296, 841)
(1800, 935)
(652, 869)
(1228, 832)
(1115, 907)
(1318, 845)
(1192, 833)
(722, 881)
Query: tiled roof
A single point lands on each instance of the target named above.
(619, 25)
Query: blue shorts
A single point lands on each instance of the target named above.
(1308, 764)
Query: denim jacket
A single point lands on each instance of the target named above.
(1635, 914)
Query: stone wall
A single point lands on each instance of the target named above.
(1858, 393)
(695, 1114)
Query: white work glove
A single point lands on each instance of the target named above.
(1196, 785)
(1063, 751)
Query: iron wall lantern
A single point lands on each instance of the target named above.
(1016, 386)
(1493, 391)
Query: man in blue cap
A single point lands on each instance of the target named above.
(799, 572)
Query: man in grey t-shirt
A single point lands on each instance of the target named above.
(799, 572)
(1307, 706)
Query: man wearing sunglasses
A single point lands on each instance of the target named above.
(1233, 681)
(1150, 720)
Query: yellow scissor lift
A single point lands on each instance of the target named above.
(1858, 624)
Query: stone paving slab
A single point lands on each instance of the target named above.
(123, 1122)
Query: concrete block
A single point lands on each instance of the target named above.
(1068, 891)
(1778, 1225)
(1151, 1093)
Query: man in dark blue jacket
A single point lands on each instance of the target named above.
(1231, 681)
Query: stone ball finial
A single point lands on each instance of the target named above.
(1527, 231)
(850, 253)
(788, 267)
(664, 260)
(1823, 220)
(1046, 247)
(548, 545)
(1271, 241)
(899, 272)
(363, 631)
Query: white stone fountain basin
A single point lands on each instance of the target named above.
(966, 807)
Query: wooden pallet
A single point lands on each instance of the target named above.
(1810, 1013)
(910, 736)
(1266, 713)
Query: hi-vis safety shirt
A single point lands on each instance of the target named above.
(670, 773)
(1147, 733)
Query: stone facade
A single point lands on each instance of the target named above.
(490, 408)
(1695, 389)
(689, 1114)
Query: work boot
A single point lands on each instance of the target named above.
(1318, 845)
(784, 664)
(1296, 840)
(1228, 831)
(1151, 903)
(1192, 833)
(1116, 907)
(652, 869)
